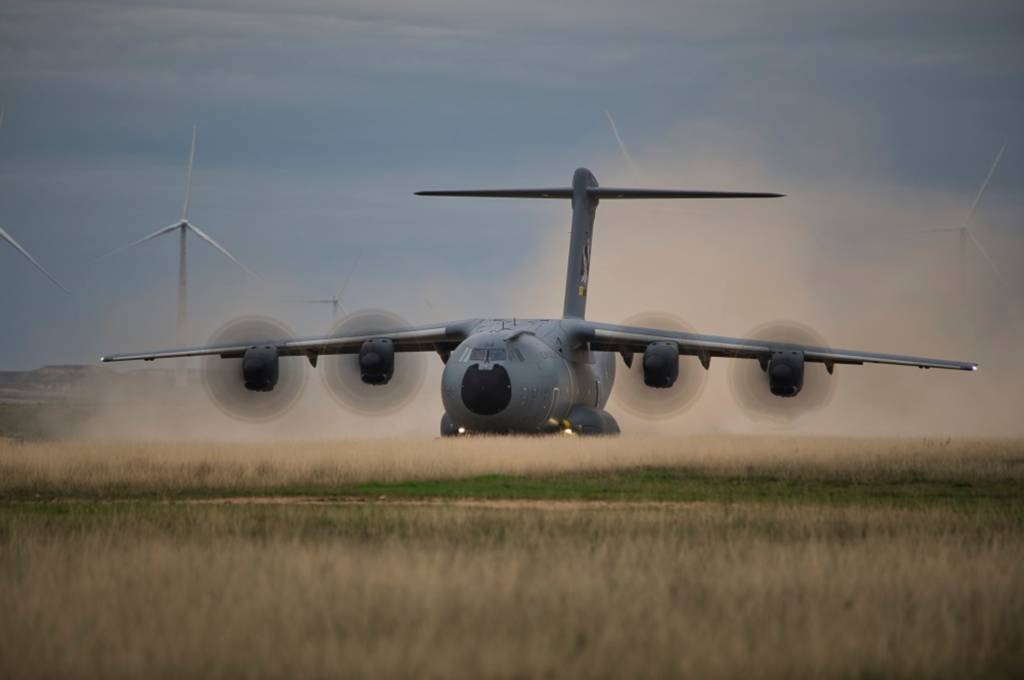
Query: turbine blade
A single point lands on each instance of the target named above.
(17, 246)
(984, 185)
(159, 232)
(206, 237)
(618, 139)
(188, 177)
(992, 263)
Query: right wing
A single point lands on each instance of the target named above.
(627, 339)
(430, 338)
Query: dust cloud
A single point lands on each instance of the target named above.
(842, 255)
(846, 257)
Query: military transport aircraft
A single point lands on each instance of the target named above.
(500, 375)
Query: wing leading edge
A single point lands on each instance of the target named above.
(429, 338)
(616, 338)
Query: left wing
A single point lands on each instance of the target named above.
(431, 338)
(628, 339)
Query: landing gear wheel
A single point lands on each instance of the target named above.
(448, 428)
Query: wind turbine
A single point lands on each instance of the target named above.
(334, 301)
(634, 169)
(183, 227)
(17, 246)
(965, 233)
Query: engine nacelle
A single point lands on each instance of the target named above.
(377, 361)
(661, 364)
(786, 373)
(260, 368)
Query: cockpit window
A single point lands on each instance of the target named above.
(479, 354)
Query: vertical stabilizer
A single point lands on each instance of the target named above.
(577, 273)
(585, 195)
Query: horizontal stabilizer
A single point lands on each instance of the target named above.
(596, 193)
(558, 192)
(610, 192)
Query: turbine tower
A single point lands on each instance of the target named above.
(183, 227)
(4, 236)
(965, 233)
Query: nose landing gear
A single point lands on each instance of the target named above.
(448, 428)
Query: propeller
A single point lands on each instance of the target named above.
(642, 401)
(750, 382)
(224, 382)
(342, 377)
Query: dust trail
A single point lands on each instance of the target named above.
(843, 255)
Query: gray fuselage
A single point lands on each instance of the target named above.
(520, 375)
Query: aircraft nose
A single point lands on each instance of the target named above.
(486, 392)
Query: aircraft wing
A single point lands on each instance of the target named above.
(430, 338)
(627, 339)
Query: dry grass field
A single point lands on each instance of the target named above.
(699, 557)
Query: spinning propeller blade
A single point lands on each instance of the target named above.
(642, 401)
(750, 382)
(342, 377)
(223, 379)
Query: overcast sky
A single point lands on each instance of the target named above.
(317, 121)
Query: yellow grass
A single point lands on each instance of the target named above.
(92, 588)
(158, 466)
(704, 591)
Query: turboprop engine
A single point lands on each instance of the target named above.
(786, 373)
(378, 381)
(803, 389)
(377, 361)
(260, 384)
(661, 364)
(659, 384)
(260, 368)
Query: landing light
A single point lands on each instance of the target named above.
(462, 430)
(568, 430)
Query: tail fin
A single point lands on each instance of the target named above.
(585, 195)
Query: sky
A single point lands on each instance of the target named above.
(318, 120)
